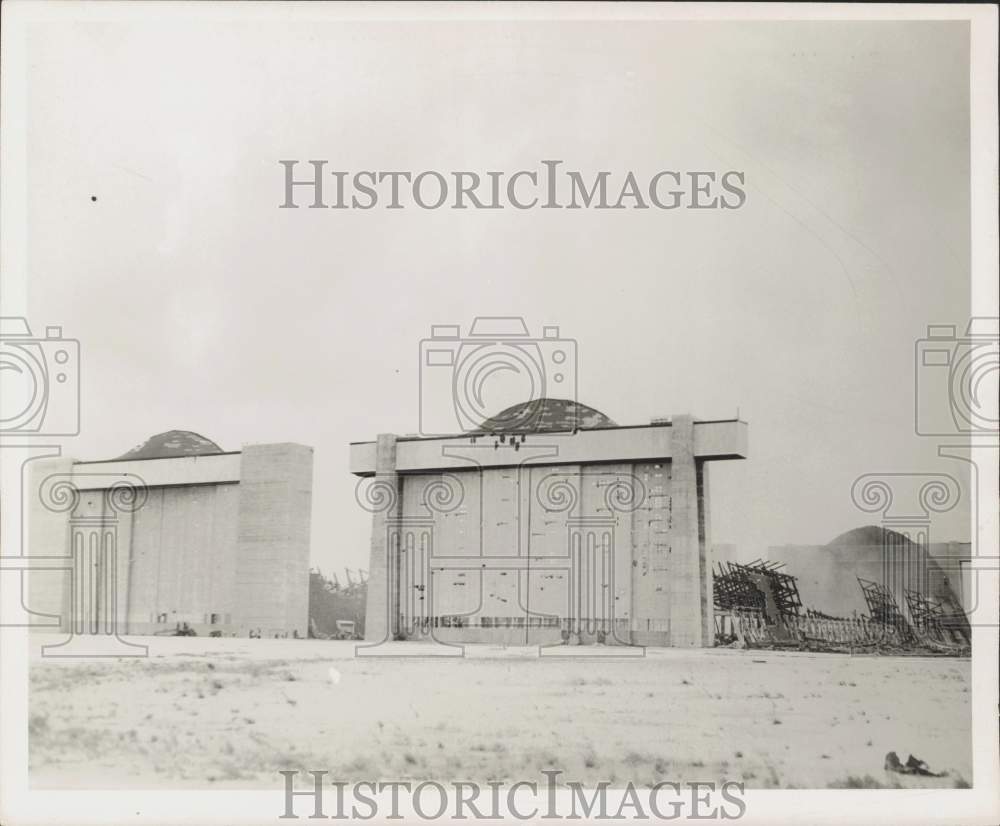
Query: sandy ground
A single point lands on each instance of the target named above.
(209, 713)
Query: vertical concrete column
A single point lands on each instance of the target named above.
(705, 558)
(272, 564)
(686, 583)
(385, 502)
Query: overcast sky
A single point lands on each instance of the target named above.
(200, 305)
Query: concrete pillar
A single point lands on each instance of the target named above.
(705, 558)
(686, 578)
(272, 565)
(385, 502)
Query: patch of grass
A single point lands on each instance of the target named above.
(634, 758)
(547, 759)
(231, 770)
(582, 681)
(855, 782)
(358, 766)
(496, 748)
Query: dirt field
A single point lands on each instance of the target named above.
(230, 713)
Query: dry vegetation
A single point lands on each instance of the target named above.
(225, 712)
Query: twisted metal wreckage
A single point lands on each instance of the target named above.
(758, 605)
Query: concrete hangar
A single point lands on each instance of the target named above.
(550, 524)
(174, 533)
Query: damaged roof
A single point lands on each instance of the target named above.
(546, 416)
(172, 443)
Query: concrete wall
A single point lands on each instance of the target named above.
(525, 543)
(687, 556)
(707, 440)
(48, 535)
(84, 528)
(524, 550)
(384, 495)
(651, 558)
(184, 558)
(543, 564)
(272, 574)
(179, 470)
(220, 542)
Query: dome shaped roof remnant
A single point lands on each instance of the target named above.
(172, 443)
(546, 416)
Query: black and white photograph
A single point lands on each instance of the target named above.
(498, 411)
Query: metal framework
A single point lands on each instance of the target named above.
(882, 607)
(936, 619)
(759, 586)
